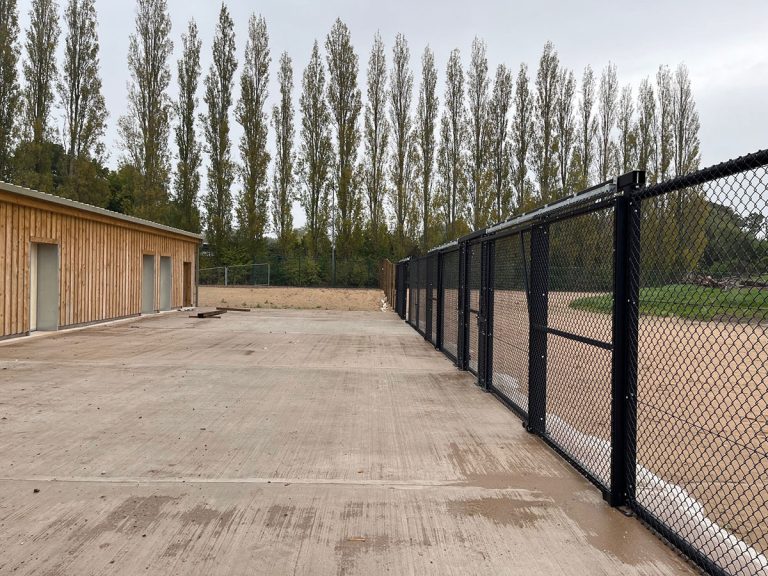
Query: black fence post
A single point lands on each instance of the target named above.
(626, 295)
(417, 265)
(428, 296)
(487, 304)
(537, 349)
(482, 331)
(461, 352)
(440, 302)
(407, 291)
(401, 289)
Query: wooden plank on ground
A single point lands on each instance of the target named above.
(209, 314)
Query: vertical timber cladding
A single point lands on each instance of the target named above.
(100, 259)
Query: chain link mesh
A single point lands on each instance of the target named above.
(702, 389)
(578, 371)
(510, 321)
(686, 352)
(450, 288)
(412, 291)
(474, 256)
(422, 323)
(432, 295)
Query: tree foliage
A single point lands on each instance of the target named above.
(607, 106)
(376, 136)
(379, 177)
(221, 168)
(426, 144)
(451, 159)
(545, 117)
(252, 205)
(283, 180)
(344, 102)
(315, 152)
(500, 146)
(522, 134)
(145, 128)
(79, 87)
(10, 93)
(187, 177)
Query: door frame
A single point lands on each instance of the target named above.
(34, 284)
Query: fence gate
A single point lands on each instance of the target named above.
(473, 318)
(449, 288)
(510, 324)
(571, 347)
(432, 307)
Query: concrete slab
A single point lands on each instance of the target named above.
(283, 442)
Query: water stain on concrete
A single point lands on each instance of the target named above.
(133, 515)
(502, 511)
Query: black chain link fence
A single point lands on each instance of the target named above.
(296, 270)
(628, 326)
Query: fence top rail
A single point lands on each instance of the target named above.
(444, 247)
(722, 170)
(589, 196)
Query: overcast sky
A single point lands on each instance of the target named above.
(724, 44)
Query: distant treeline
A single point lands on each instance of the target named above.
(383, 166)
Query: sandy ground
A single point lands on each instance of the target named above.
(283, 442)
(350, 299)
(702, 402)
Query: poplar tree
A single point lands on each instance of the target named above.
(80, 86)
(9, 85)
(315, 152)
(451, 160)
(587, 128)
(690, 205)
(685, 122)
(376, 135)
(145, 128)
(565, 128)
(426, 116)
(627, 137)
(85, 111)
(606, 113)
(645, 128)
(34, 157)
(221, 168)
(665, 134)
(521, 136)
(40, 68)
(400, 96)
(187, 178)
(544, 137)
(252, 204)
(283, 179)
(499, 112)
(345, 105)
(479, 141)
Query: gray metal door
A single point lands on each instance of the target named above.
(47, 301)
(165, 282)
(148, 285)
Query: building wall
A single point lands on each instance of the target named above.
(100, 262)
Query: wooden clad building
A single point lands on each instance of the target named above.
(66, 264)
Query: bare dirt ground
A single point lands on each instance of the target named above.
(349, 299)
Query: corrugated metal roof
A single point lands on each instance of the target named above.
(29, 193)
